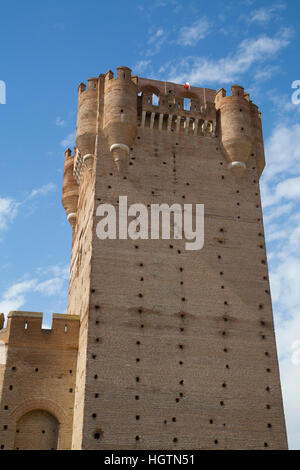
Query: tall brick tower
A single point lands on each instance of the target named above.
(176, 348)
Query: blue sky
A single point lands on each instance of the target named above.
(49, 47)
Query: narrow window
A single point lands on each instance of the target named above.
(154, 100)
(187, 104)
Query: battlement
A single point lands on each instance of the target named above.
(25, 329)
(168, 106)
(238, 95)
(117, 106)
(123, 75)
(169, 89)
(92, 85)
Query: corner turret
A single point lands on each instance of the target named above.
(240, 129)
(120, 113)
(70, 192)
(87, 120)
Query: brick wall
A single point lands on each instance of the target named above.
(39, 376)
(181, 349)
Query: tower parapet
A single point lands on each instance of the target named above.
(167, 106)
(115, 107)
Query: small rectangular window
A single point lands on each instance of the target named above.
(187, 104)
(154, 100)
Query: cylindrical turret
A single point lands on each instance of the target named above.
(120, 113)
(87, 119)
(70, 192)
(235, 127)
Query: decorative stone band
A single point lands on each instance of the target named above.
(78, 166)
(233, 165)
(120, 146)
(88, 161)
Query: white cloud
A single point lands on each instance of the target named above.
(42, 191)
(266, 72)
(289, 188)
(55, 285)
(9, 207)
(159, 33)
(50, 287)
(284, 280)
(173, 6)
(283, 209)
(190, 35)
(283, 157)
(141, 66)
(285, 290)
(14, 297)
(230, 68)
(55, 270)
(69, 140)
(264, 15)
(280, 186)
(157, 38)
(8, 212)
(60, 122)
(282, 104)
(286, 300)
(273, 193)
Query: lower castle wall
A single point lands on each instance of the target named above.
(38, 382)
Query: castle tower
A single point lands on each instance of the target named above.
(176, 347)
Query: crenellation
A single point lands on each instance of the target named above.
(93, 83)
(26, 328)
(81, 88)
(172, 104)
